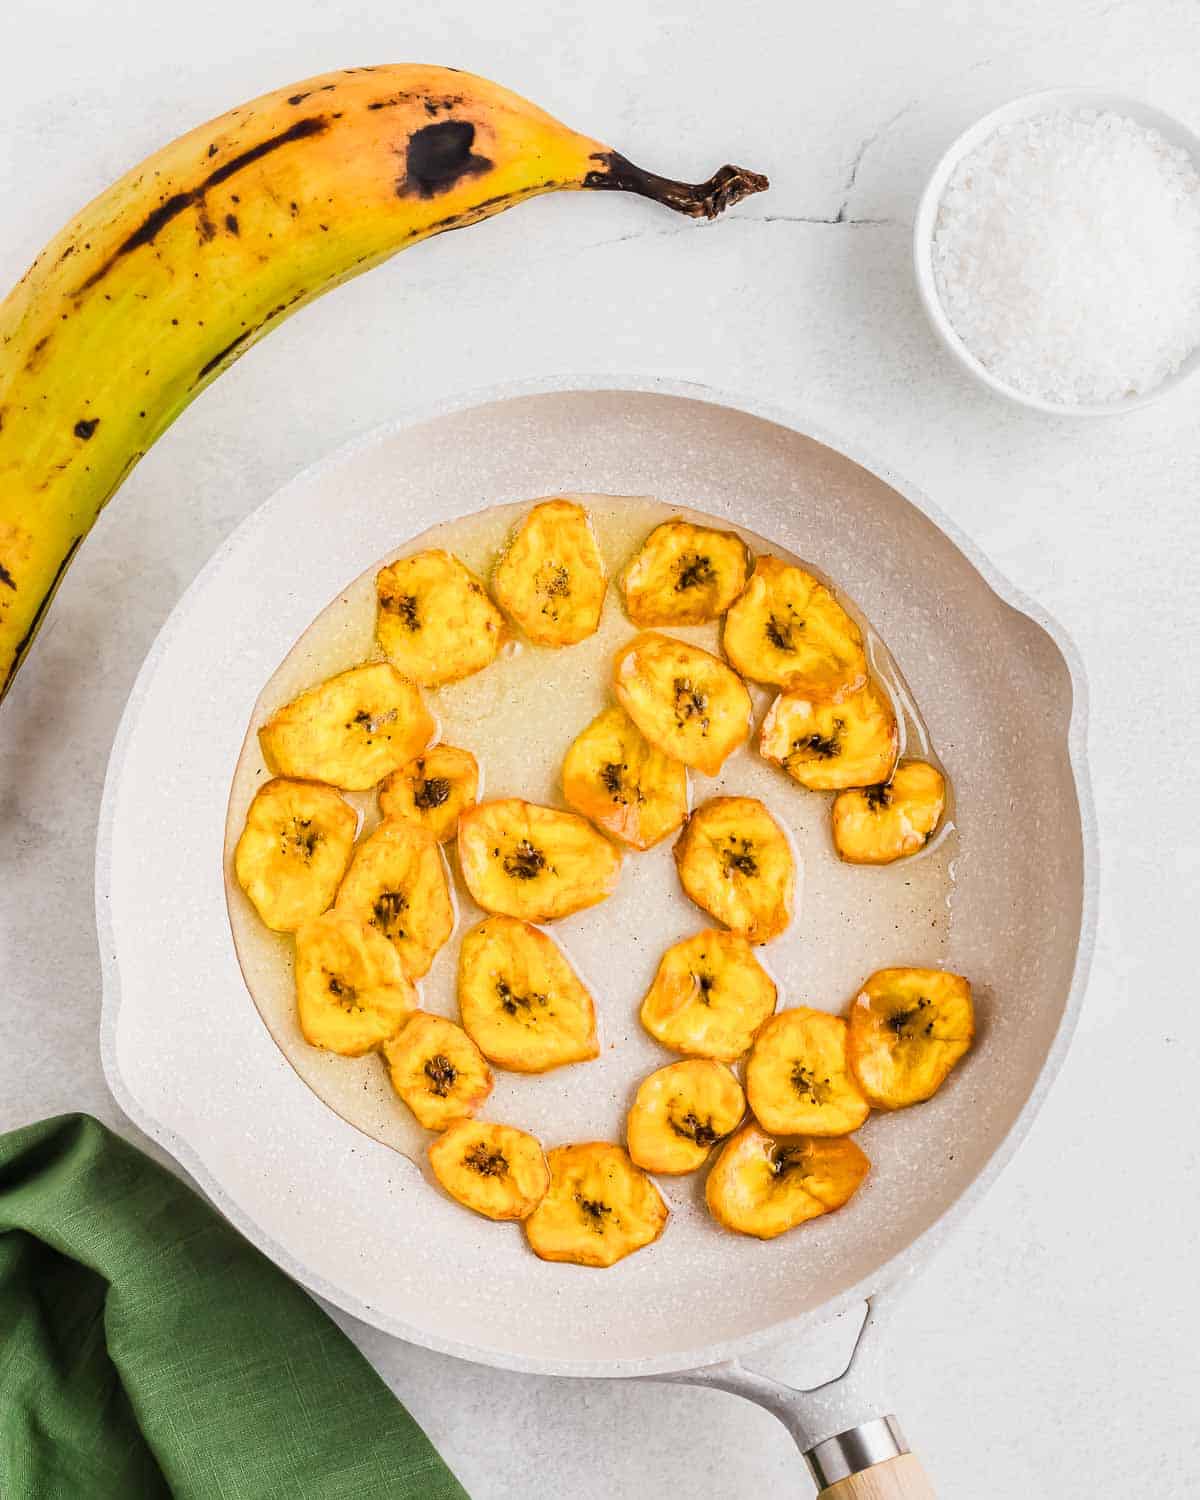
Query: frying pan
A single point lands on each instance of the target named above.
(190, 1062)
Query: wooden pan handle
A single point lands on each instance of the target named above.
(900, 1478)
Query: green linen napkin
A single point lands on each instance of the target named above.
(147, 1350)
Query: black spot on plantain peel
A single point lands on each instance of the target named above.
(438, 157)
(701, 200)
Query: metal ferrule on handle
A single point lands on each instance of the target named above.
(856, 1449)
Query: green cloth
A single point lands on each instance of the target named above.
(147, 1350)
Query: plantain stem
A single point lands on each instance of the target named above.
(700, 200)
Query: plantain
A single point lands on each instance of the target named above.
(497, 1170)
(684, 700)
(433, 790)
(709, 996)
(551, 578)
(436, 622)
(397, 884)
(907, 1030)
(787, 628)
(533, 862)
(599, 1209)
(829, 746)
(764, 1185)
(798, 1081)
(179, 267)
(351, 990)
(613, 775)
(680, 1113)
(684, 575)
(735, 862)
(876, 825)
(437, 1070)
(294, 850)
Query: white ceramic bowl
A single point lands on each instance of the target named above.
(1172, 129)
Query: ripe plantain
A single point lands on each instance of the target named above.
(736, 863)
(437, 1070)
(684, 575)
(709, 997)
(680, 1113)
(551, 578)
(351, 991)
(798, 1081)
(433, 790)
(533, 862)
(397, 884)
(613, 775)
(829, 746)
(294, 850)
(876, 825)
(907, 1030)
(178, 268)
(684, 700)
(436, 622)
(599, 1209)
(787, 628)
(497, 1170)
(764, 1185)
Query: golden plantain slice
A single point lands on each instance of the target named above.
(294, 850)
(436, 621)
(534, 862)
(764, 1185)
(684, 700)
(351, 730)
(437, 1070)
(351, 992)
(798, 1081)
(613, 775)
(680, 1113)
(828, 746)
(396, 883)
(907, 1029)
(735, 862)
(685, 575)
(709, 997)
(879, 824)
(599, 1209)
(788, 629)
(497, 1170)
(432, 790)
(551, 576)
(521, 1001)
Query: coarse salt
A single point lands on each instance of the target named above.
(1066, 254)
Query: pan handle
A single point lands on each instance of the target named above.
(868, 1462)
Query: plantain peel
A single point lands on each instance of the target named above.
(683, 699)
(351, 991)
(436, 621)
(907, 1030)
(536, 863)
(829, 746)
(680, 1113)
(521, 1001)
(351, 730)
(600, 1207)
(294, 850)
(709, 996)
(397, 885)
(788, 629)
(551, 577)
(798, 1080)
(763, 1185)
(432, 790)
(880, 824)
(613, 775)
(437, 1070)
(735, 862)
(684, 575)
(497, 1170)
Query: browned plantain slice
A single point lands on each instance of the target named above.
(520, 999)
(684, 700)
(294, 850)
(788, 629)
(880, 824)
(828, 746)
(436, 621)
(534, 862)
(396, 883)
(797, 1079)
(735, 862)
(599, 1209)
(351, 730)
(551, 576)
(709, 997)
(432, 790)
(613, 775)
(351, 992)
(497, 1170)
(685, 575)
(680, 1113)
(763, 1185)
(907, 1029)
(437, 1070)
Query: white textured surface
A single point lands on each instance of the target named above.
(1052, 1347)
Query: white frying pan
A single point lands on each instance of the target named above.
(191, 1063)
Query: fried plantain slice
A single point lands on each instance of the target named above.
(684, 575)
(735, 862)
(294, 850)
(432, 790)
(683, 699)
(497, 1170)
(764, 1185)
(350, 730)
(798, 1081)
(521, 1001)
(879, 824)
(613, 775)
(907, 1029)
(396, 883)
(436, 621)
(551, 576)
(534, 862)
(599, 1209)
(351, 992)
(680, 1113)
(709, 996)
(828, 746)
(437, 1070)
(788, 629)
